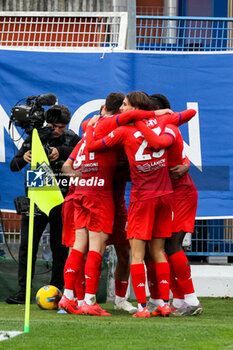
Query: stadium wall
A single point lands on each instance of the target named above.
(209, 281)
(82, 81)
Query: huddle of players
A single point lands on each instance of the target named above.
(152, 144)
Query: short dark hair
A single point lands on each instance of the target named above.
(58, 114)
(140, 100)
(159, 100)
(101, 108)
(113, 102)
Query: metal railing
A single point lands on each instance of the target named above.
(10, 235)
(164, 33)
(98, 30)
(89, 30)
(210, 237)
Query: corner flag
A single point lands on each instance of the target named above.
(48, 194)
(45, 197)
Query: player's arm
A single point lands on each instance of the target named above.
(179, 118)
(158, 142)
(67, 167)
(186, 162)
(180, 170)
(109, 124)
(115, 138)
(159, 112)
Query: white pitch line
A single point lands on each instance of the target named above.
(4, 335)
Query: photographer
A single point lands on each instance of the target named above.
(58, 144)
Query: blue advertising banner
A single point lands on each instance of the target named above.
(83, 80)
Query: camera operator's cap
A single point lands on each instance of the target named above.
(58, 114)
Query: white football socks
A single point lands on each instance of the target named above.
(119, 299)
(177, 302)
(90, 299)
(191, 299)
(69, 294)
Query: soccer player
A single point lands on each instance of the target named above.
(185, 205)
(93, 217)
(118, 238)
(68, 232)
(150, 197)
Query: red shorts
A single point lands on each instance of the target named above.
(185, 207)
(150, 218)
(68, 230)
(94, 212)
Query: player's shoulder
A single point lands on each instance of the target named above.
(172, 129)
(152, 122)
(121, 129)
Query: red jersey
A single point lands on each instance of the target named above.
(76, 165)
(176, 157)
(173, 140)
(148, 168)
(106, 124)
(97, 168)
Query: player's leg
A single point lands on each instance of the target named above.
(73, 265)
(59, 251)
(154, 299)
(68, 239)
(97, 245)
(122, 278)
(79, 284)
(121, 244)
(177, 292)
(182, 272)
(139, 231)
(138, 275)
(184, 219)
(99, 224)
(122, 271)
(162, 273)
(161, 230)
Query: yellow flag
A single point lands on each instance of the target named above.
(42, 187)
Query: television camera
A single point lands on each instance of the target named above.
(31, 114)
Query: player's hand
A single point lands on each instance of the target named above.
(93, 120)
(54, 155)
(78, 173)
(163, 111)
(27, 156)
(178, 171)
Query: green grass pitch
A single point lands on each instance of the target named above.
(49, 330)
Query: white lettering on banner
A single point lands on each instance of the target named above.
(193, 150)
(83, 111)
(4, 124)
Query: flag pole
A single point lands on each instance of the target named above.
(44, 203)
(29, 264)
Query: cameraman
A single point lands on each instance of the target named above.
(58, 144)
